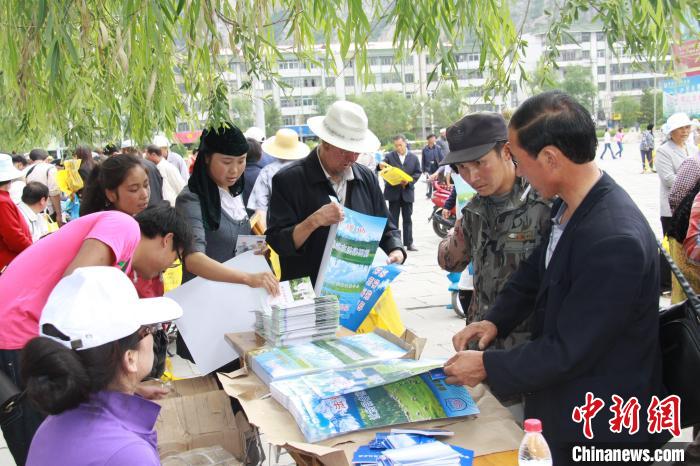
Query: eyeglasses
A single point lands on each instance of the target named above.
(146, 330)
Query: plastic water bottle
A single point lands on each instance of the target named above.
(534, 450)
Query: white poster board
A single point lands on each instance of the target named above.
(213, 309)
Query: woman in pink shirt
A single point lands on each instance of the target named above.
(619, 136)
(105, 238)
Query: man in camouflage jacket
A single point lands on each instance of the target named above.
(501, 225)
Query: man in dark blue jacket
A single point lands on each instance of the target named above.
(432, 156)
(592, 286)
(402, 196)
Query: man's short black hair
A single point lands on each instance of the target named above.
(431, 136)
(153, 149)
(555, 119)
(33, 192)
(38, 154)
(399, 136)
(161, 219)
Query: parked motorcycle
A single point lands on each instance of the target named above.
(441, 225)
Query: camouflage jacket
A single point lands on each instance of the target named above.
(495, 241)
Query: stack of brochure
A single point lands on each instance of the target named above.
(415, 447)
(276, 363)
(297, 315)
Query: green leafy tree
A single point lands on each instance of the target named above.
(628, 108)
(104, 69)
(273, 118)
(544, 78)
(242, 112)
(646, 110)
(388, 113)
(578, 82)
(323, 101)
(447, 105)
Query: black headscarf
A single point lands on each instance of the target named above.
(227, 140)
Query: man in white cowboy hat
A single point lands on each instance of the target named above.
(172, 157)
(301, 211)
(14, 231)
(286, 147)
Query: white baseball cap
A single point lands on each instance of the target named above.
(255, 133)
(94, 306)
(127, 143)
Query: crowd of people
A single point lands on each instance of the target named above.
(566, 268)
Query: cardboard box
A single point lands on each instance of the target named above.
(492, 431)
(197, 414)
(207, 456)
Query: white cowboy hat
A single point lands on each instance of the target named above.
(677, 120)
(345, 126)
(285, 145)
(8, 171)
(255, 133)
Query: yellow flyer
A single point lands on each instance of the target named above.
(394, 175)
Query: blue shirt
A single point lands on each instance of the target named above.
(110, 429)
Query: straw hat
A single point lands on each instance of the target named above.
(285, 145)
(345, 126)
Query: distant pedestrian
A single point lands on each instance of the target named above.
(431, 157)
(619, 136)
(442, 142)
(402, 196)
(607, 139)
(646, 147)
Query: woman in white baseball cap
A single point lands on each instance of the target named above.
(95, 348)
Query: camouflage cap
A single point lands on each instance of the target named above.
(474, 136)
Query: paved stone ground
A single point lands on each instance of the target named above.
(421, 291)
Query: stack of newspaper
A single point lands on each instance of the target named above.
(297, 315)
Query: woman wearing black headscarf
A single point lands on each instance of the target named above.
(213, 206)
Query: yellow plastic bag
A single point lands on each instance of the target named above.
(73, 179)
(384, 315)
(394, 176)
(172, 277)
(52, 226)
